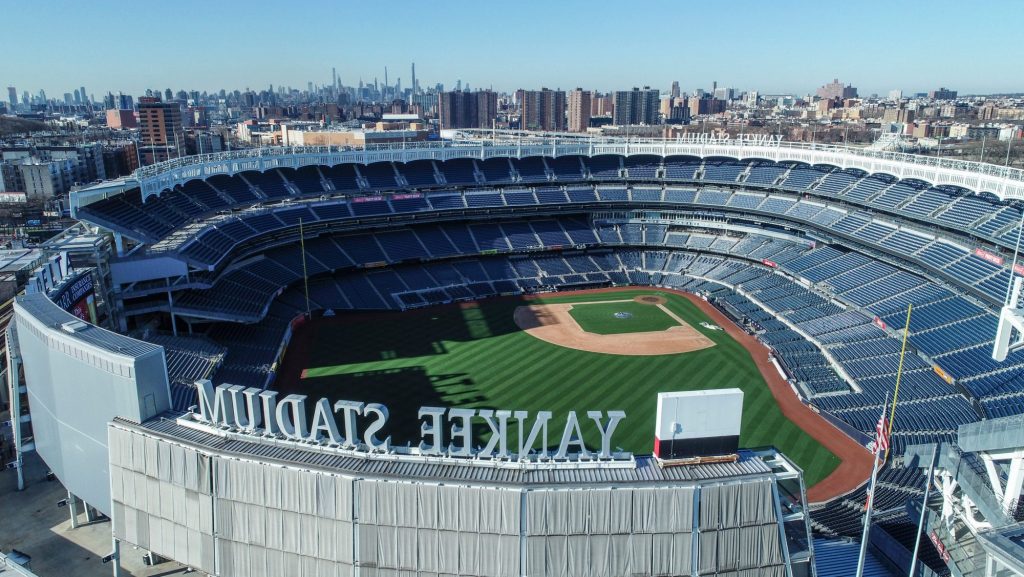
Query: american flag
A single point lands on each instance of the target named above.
(881, 435)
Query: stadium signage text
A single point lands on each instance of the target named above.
(725, 138)
(443, 431)
(76, 291)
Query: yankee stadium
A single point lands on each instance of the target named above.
(511, 353)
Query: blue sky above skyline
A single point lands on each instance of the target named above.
(783, 46)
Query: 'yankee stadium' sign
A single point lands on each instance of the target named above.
(443, 431)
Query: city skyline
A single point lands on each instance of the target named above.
(216, 49)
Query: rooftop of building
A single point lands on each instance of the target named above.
(19, 259)
(44, 311)
(643, 470)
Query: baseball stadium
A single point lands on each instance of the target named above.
(544, 275)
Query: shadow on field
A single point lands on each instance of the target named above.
(348, 338)
(352, 338)
(404, 391)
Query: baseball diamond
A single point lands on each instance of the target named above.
(478, 355)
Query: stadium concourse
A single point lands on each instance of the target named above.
(812, 252)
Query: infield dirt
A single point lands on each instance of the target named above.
(554, 324)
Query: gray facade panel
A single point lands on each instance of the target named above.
(253, 517)
(77, 383)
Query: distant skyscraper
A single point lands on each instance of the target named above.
(579, 110)
(724, 93)
(636, 106)
(459, 109)
(160, 135)
(942, 94)
(543, 110)
(12, 96)
(674, 93)
(678, 112)
(78, 97)
(836, 89)
(706, 104)
(896, 95)
(600, 105)
(415, 87)
(85, 97)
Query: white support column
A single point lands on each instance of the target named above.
(170, 307)
(73, 509)
(993, 476)
(1010, 319)
(1014, 480)
(116, 554)
(14, 395)
(948, 485)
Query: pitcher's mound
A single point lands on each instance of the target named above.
(651, 300)
(553, 323)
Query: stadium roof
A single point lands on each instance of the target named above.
(44, 311)
(646, 471)
(1004, 182)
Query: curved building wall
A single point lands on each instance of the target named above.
(79, 377)
(228, 511)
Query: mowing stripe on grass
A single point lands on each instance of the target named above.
(449, 360)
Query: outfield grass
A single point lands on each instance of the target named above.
(600, 318)
(477, 357)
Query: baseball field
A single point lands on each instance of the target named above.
(494, 354)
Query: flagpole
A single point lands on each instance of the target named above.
(924, 510)
(879, 441)
(899, 374)
(305, 275)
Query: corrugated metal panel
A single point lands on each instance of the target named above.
(646, 471)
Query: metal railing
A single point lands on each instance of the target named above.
(9, 564)
(567, 144)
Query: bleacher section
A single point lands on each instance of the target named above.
(913, 199)
(951, 333)
(188, 360)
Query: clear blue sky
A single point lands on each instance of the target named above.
(773, 46)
